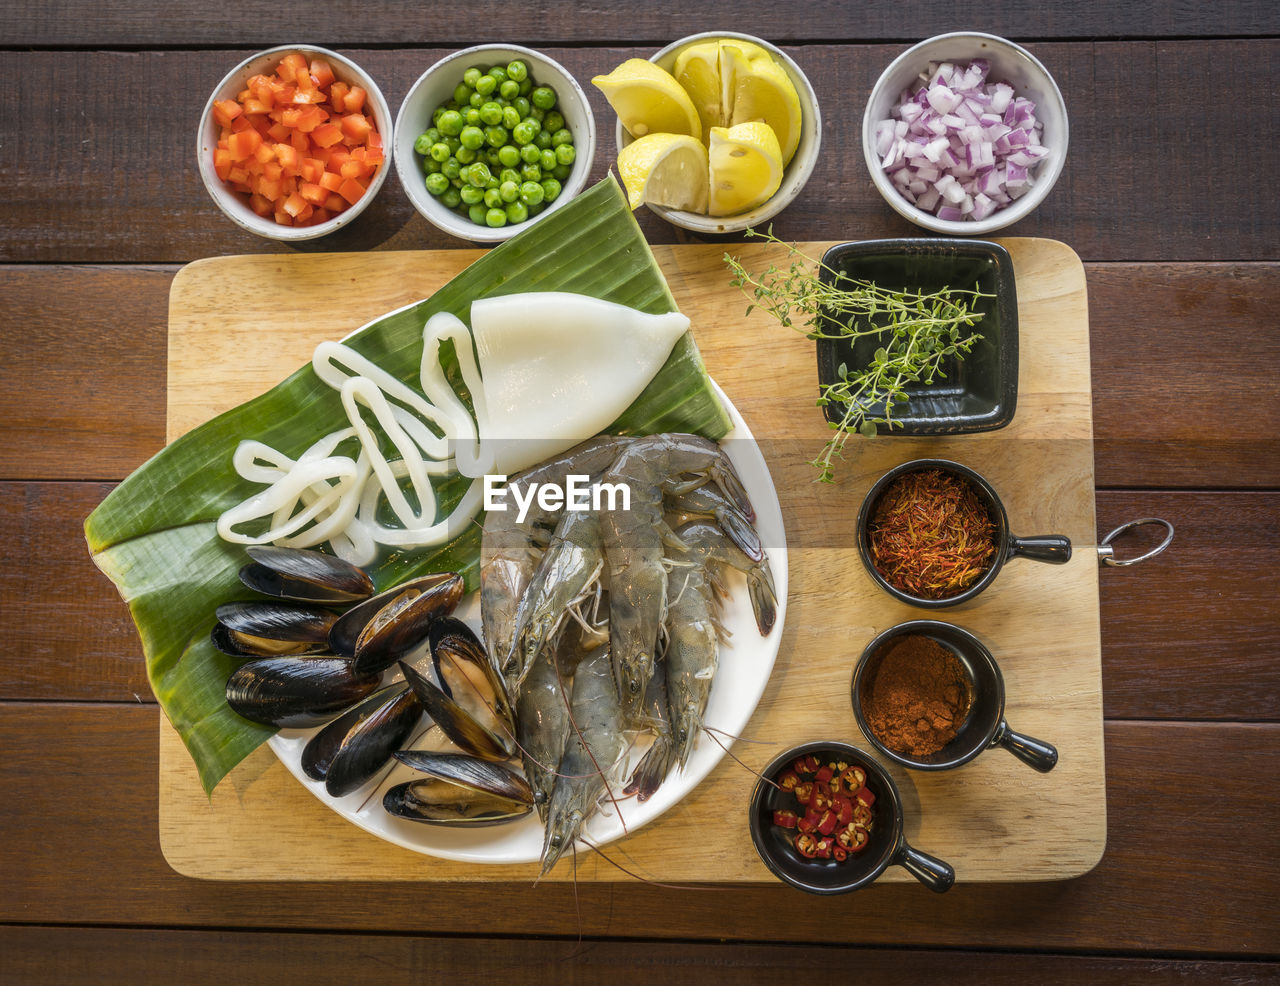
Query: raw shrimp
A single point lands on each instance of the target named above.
(654, 766)
(708, 542)
(568, 572)
(510, 548)
(595, 746)
(692, 651)
(709, 500)
(634, 539)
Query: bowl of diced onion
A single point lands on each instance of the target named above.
(965, 133)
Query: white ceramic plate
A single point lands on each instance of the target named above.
(746, 661)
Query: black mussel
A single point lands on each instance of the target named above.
(304, 575)
(292, 692)
(351, 749)
(486, 737)
(461, 790)
(271, 629)
(468, 676)
(402, 622)
(346, 631)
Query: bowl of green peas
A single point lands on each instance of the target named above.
(491, 138)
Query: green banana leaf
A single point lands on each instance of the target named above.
(154, 535)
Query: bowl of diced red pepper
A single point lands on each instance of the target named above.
(293, 143)
(826, 818)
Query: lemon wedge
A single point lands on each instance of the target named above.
(697, 69)
(759, 90)
(649, 100)
(665, 169)
(745, 167)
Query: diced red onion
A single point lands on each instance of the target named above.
(958, 146)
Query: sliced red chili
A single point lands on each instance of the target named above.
(853, 778)
(809, 822)
(827, 823)
(844, 809)
(785, 819)
(825, 848)
(824, 774)
(807, 845)
(861, 816)
(839, 853)
(864, 796)
(789, 780)
(804, 791)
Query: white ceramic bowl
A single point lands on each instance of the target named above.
(1009, 63)
(798, 169)
(233, 204)
(436, 85)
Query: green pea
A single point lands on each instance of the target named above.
(509, 155)
(465, 155)
(530, 154)
(437, 184)
(531, 193)
(479, 98)
(554, 121)
(550, 189)
(510, 117)
(498, 74)
(522, 106)
(543, 98)
(509, 174)
(471, 76)
(524, 132)
(472, 116)
(526, 86)
(462, 93)
(562, 171)
(477, 213)
(450, 123)
(531, 172)
(547, 160)
(495, 136)
(496, 217)
(486, 84)
(472, 137)
(478, 174)
(430, 167)
(433, 135)
(543, 140)
(536, 208)
(565, 154)
(509, 191)
(435, 116)
(451, 199)
(517, 212)
(509, 90)
(561, 137)
(517, 71)
(536, 112)
(491, 113)
(492, 197)
(471, 195)
(451, 169)
(491, 158)
(422, 144)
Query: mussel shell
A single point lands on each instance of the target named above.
(460, 790)
(486, 740)
(291, 692)
(467, 675)
(271, 629)
(304, 575)
(351, 749)
(401, 623)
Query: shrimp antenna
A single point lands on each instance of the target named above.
(636, 876)
(729, 753)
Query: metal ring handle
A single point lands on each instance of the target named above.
(1107, 554)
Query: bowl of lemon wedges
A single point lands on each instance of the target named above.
(716, 132)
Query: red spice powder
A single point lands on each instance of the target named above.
(917, 697)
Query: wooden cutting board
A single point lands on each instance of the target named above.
(237, 325)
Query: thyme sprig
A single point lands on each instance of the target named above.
(919, 331)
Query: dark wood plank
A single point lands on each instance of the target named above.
(1135, 187)
(1166, 342)
(70, 23)
(128, 957)
(78, 844)
(82, 382)
(1214, 659)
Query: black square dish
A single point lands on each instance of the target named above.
(978, 392)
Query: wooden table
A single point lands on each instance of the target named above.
(1167, 196)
